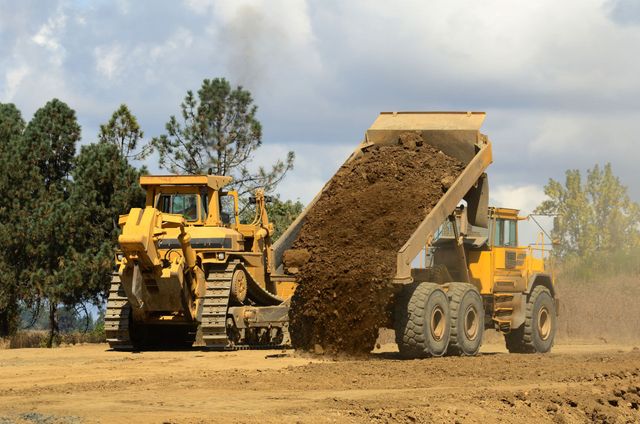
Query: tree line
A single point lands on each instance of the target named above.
(60, 201)
(596, 224)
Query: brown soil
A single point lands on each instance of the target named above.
(87, 384)
(368, 211)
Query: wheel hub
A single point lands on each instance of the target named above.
(437, 323)
(471, 324)
(544, 323)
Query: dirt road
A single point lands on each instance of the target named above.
(89, 383)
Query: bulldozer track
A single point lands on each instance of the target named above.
(216, 303)
(214, 313)
(116, 320)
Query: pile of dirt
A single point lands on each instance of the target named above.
(351, 237)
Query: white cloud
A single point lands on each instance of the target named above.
(108, 60)
(124, 6)
(181, 39)
(13, 79)
(200, 6)
(313, 167)
(559, 80)
(525, 197)
(48, 37)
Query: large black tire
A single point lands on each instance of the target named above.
(422, 321)
(467, 319)
(538, 332)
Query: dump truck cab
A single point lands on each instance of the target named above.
(495, 259)
(503, 271)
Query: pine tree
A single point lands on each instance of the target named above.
(49, 146)
(13, 201)
(52, 135)
(123, 131)
(105, 186)
(219, 131)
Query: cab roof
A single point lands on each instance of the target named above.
(215, 182)
(507, 213)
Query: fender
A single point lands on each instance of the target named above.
(541, 278)
(544, 279)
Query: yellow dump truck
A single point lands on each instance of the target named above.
(478, 277)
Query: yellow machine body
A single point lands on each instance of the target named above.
(187, 260)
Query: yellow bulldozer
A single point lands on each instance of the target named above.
(187, 266)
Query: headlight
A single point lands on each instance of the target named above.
(119, 256)
(220, 256)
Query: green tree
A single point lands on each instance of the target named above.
(51, 136)
(11, 124)
(105, 186)
(49, 146)
(282, 214)
(592, 216)
(123, 131)
(15, 197)
(219, 131)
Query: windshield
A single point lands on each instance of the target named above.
(505, 233)
(180, 204)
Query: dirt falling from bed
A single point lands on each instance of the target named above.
(370, 208)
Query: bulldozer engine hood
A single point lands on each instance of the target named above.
(204, 238)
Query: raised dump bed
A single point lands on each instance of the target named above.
(454, 133)
(361, 233)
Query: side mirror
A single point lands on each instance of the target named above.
(268, 199)
(252, 200)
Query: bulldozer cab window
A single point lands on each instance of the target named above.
(227, 209)
(180, 204)
(505, 233)
(204, 205)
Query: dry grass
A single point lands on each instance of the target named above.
(39, 338)
(607, 310)
(28, 338)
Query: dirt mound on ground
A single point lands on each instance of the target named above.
(368, 211)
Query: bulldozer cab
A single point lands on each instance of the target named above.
(183, 201)
(198, 198)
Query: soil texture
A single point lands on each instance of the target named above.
(367, 212)
(90, 384)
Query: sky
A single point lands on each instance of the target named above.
(558, 80)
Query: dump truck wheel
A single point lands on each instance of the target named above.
(538, 332)
(422, 321)
(467, 319)
(239, 286)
